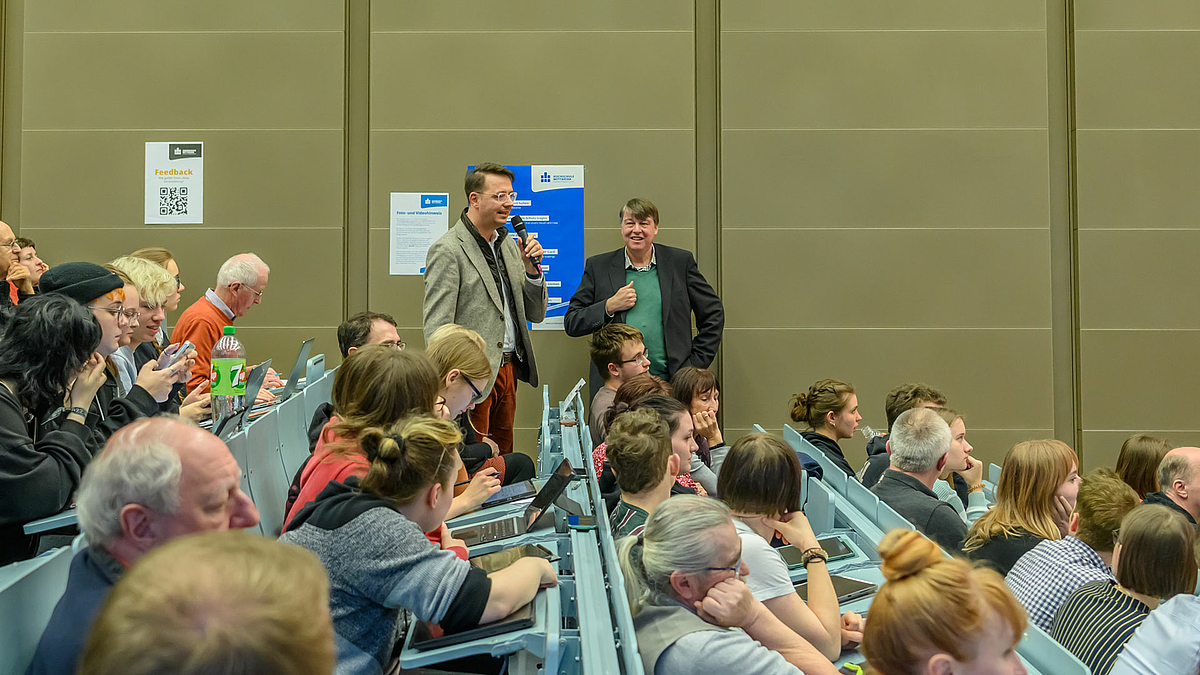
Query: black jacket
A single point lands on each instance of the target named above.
(110, 412)
(1001, 553)
(878, 461)
(684, 290)
(37, 477)
(147, 352)
(920, 506)
(1164, 500)
(831, 449)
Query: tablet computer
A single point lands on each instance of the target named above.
(847, 589)
(492, 562)
(430, 636)
(834, 546)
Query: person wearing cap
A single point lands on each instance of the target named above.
(49, 375)
(103, 293)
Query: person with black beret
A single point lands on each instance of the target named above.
(102, 292)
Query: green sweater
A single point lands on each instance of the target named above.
(647, 317)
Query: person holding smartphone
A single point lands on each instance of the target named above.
(760, 481)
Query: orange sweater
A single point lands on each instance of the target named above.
(201, 323)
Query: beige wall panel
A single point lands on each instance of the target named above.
(984, 278)
(1141, 15)
(1103, 447)
(467, 15)
(1133, 380)
(774, 15)
(1131, 279)
(581, 80)
(305, 288)
(883, 79)
(990, 444)
(1000, 378)
(183, 80)
(211, 15)
(1137, 80)
(657, 165)
(284, 179)
(1138, 179)
(400, 296)
(861, 178)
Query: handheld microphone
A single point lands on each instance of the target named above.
(519, 227)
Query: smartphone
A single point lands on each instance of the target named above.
(174, 354)
(834, 546)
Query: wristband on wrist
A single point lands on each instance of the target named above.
(811, 554)
(78, 411)
(975, 488)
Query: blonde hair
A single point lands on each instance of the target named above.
(452, 347)
(410, 455)
(824, 397)
(155, 254)
(152, 281)
(1032, 473)
(931, 603)
(216, 602)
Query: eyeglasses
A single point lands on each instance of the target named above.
(255, 291)
(14, 243)
(478, 394)
(504, 196)
(118, 312)
(395, 344)
(637, 358)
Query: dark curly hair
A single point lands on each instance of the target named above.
(45, 341)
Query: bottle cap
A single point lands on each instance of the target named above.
(228, 330)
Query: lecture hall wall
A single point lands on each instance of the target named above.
(995, 197)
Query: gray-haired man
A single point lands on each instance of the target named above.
(156, 479)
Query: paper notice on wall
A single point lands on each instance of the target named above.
(174, 183)
(418, 219)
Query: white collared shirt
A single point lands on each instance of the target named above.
(653, 261)
(510, 321)
(215, 299)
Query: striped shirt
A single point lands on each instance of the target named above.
(1096, 621)
(627, 520)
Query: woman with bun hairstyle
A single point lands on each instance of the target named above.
(940, 615)
(1035, 497)
(463, 368)
(760, 481)
(1138, 462)
(1153, 560)
(682, 581)
(369, 534)
(829, 409)
(375, 386)
(683, 439)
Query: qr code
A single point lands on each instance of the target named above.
(172, 201)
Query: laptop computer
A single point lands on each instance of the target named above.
(230, 425)
(528, 521)
(294, 376)
(524, 489)
(429, 636)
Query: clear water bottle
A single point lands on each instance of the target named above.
(227, 376)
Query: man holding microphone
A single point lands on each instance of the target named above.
(481, 278)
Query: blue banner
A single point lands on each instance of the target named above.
(550, 202)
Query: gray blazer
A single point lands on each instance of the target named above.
(459, 288)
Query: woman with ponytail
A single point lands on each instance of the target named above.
(683, 580)
(940, 615)
(829, 410)
(464, 371)
(369, 534)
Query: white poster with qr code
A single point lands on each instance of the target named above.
(174, 183)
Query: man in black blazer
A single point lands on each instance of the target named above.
(653, 288)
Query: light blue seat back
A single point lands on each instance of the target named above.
(29, 590)
(268, 481)
(293, 434)
(238, 448)
(887, 519)
(861, 498)
(819, 507)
